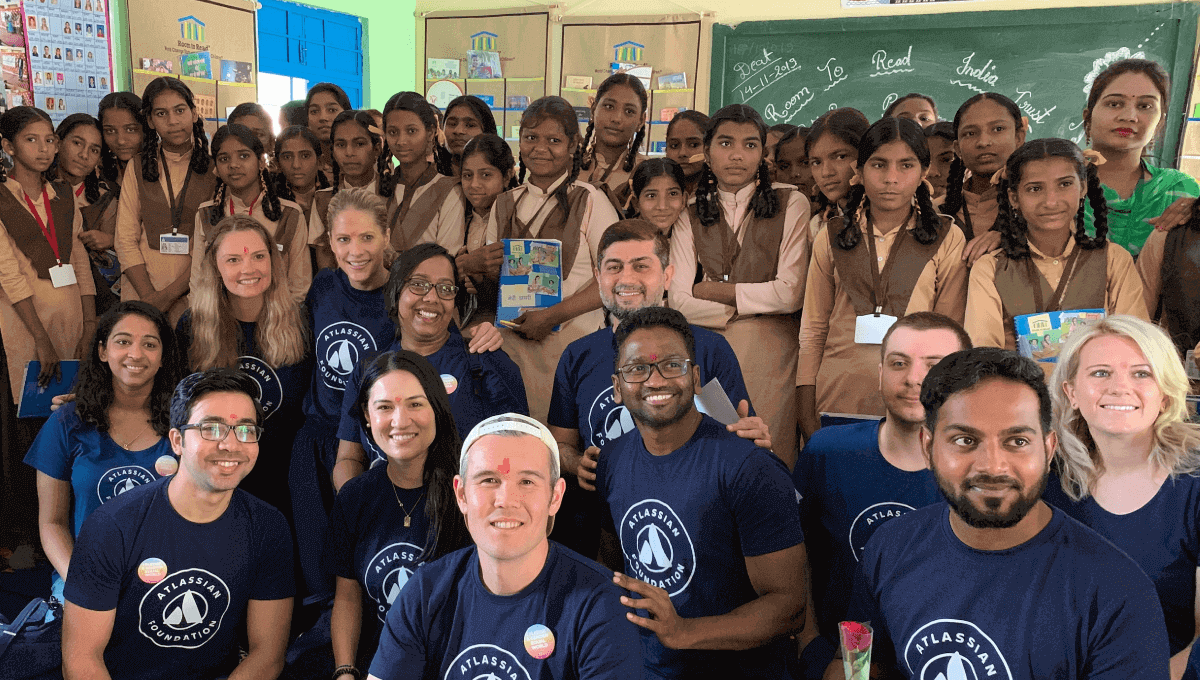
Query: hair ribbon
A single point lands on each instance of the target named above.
(695, 158)
(1001, 174)
(629, 198)
(374, 130)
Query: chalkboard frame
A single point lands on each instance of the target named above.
(1180, 67)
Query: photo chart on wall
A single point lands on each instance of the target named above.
(68, 52)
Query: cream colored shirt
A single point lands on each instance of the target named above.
(448, 225)
(130, 239)
(1149, 266)
(316, 226)
(16, 270)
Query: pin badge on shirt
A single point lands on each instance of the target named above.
(166, 465)
(450, 382)
(152, 570)
(174, 244)
(539, 641)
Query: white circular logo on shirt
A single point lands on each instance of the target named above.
(950, 649)
(270, 390)
(339, 346)
(486, 662)
(657, 547)
(608, 419)
(184, 610)
(121, 479)
(868, 521)
(388, 572)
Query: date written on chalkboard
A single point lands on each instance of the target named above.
(767, 77)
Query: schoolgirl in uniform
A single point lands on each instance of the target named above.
(916, 107)
(488, 170)
(1046, 261)
(356, 147)
(657, 194)
(614, 136)
(741, 264)
(774, 134)
(298, 157)
(159, 199)
(323, 104)
(685, 145)
(791, 160)
(891, 255)
(1169, 265)
(466, 118)
(551, 202)
(832, 151)
(426, 206)
(244, 187)
(1125, 111)
(940, 138)
(254, 117)
(79, 144)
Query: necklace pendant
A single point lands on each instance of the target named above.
(407, 522)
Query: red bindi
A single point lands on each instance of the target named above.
(233, 416)
(653, 357)
(504, 467)
(245, 251)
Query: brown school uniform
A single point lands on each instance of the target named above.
(144, 214)
(978, 213)
(914, 277)
(612, 180)
(431, 211)
(289, 231)
(1170, 263)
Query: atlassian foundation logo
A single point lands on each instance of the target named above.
(339, 347)
(387, 572)
(486, 662)
(657, 547)
(949, 649)
(121, 479)
(608, 419)
(184, 609)
(270, 391)
(869, 520)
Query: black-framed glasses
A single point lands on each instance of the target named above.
(445, 291)
(218, 431)
(667, 368)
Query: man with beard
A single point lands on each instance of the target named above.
(995, 583)
(704, 521)
(584, 413)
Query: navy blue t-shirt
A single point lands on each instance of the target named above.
(499, 385)
(848, 490)
(1064, 604)
(583, 390)
(180, 589)
(368, 542)
(1162, 536)
(686, 522)
(569, 623)
(347, 324)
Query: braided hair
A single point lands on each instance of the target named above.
(16, 119)
(498, 154)
(847, 124)
(110, 165)
(424, 111)
(282, 188)
(635, 143)
(954, 201)
(764, 203)
(91, 181)
(648, 170)
(271, 207)
(200, 157)
(363, 119)
(1014, 230)
(561, 111)
(885, 131)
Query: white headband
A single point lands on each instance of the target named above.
(511, 422)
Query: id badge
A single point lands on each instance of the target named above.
(62, 275)
(869, 329)
(174, 244)
(279, 246)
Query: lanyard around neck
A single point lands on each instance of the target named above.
(50, 232)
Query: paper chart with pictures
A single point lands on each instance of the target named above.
(68, 55)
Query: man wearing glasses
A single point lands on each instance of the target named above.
(704, 522)
(163, 576)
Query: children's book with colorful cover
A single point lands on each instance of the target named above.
(1041, 336)
(530, 278)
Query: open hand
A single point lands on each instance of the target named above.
(751, 427)
(663, 620)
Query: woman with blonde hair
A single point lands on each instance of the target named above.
(244, 316)
(1127, 459)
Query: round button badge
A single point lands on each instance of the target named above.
(539, 641)
(152, 570)
(166, 465)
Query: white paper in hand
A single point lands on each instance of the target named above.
(713, 401)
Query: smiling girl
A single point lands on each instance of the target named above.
(356, 147)
(159, 199)
(741, 262)
(892, 255)
(488, 170)
(614, 136)
(685, 145)
(658, 194)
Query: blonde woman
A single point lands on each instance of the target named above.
(244, 316)
(1127, 460)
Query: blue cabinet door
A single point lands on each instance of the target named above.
(314, 44)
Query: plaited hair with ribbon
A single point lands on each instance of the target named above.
(765, 203)
(954, 200)
(367, 123)
(635, 141)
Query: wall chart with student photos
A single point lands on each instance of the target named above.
(69, 51)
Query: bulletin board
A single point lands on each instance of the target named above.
(69, 55)
(669, 45)
(499, 57)
(212, 46)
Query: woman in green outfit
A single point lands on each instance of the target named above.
(1125, 110)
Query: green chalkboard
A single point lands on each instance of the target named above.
(793, 71)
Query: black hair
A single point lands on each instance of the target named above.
(252, 109)
(363, 119)
(195, 386)
(282, 188)
(110, 165)
(16, 119)
(271, 207)
(634, 229)
(847, 124)
(338, 93)
(943, 129)
(402, 269)
(91, 181)
(293, 113)
(94, 391)
(961, 371)
(928, 321)
(635, 84)
(653, 317)
(424, 111)
(782, 128)
(648, 170)
(884, 131)
(954, 201)
(1014, 230)
(447, 528)
(497, 153)
(891, 109)
(479, 109)
(764, 203)
(560, 110)
(1151, 69)
(697, 118)
(200, 157)
(794, 132)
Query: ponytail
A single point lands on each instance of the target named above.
(708, 205)
(765, 202)
(271, 207)
(953, 202)
(200, 157)
(216, 212)
(1095, 196)
(589, 152)
(634, 145)
(383, 169)
(1014, 231)
(561, 191)
(928, 222)
(850, 235)
(150, 158)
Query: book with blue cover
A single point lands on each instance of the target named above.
(1041, 336)
(35, 401)
(530, 277)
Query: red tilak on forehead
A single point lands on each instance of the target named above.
(233, 416)
(504, 467)
(653, 357)
(245, 251)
